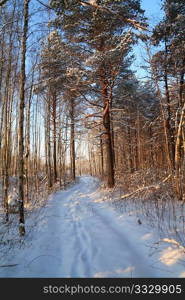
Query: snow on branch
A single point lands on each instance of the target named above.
(93, 3)
(153, 186)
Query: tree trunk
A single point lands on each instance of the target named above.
(106, 99)
(72, 141)
(107, 137)
(28, 144)
(101, 157)
(54, 139)
(178, 145)
(168, 126)
(49, 175)
(21, 121)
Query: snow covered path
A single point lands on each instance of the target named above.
(79, 236)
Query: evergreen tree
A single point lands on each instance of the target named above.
(101, 27)
(169, 64)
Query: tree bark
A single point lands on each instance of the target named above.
(169, 129)
(54, 138)
(21, 120)
(179, 188)
(72, 141)
(107, 135)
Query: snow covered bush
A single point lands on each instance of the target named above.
(13, 203)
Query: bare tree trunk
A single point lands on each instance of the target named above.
(101, 157)
(178, 156)
(5, 119)
(107, 130)
(130, 154)
(28, 143)
(89, 158)
(181, 85)
(72, 140)
(49, 175)
(108, 146)
(54, 138)
(65, 150)
(168, 126)
(5, 162)
(21, 120)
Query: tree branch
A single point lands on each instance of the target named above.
(87, 100)
(45, 5)
(103, 8)
(153, 186)
(3, 2)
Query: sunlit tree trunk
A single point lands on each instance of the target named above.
(21, 120)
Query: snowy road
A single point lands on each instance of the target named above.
(78, 235)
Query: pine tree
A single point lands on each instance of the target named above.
(88, 23)
(170, 63)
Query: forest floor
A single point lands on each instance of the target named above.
(80, 234)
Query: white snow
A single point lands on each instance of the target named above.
(79, 234)
(13, 201)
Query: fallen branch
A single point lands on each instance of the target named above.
(172, 242)
(153, 186)
(7, 266)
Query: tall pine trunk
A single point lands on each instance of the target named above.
(107, 136)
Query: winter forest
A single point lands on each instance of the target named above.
(92, 138)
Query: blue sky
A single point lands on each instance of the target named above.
(154, 14)
(152, 8)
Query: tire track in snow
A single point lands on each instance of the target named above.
(93, 254)
(83, 258)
